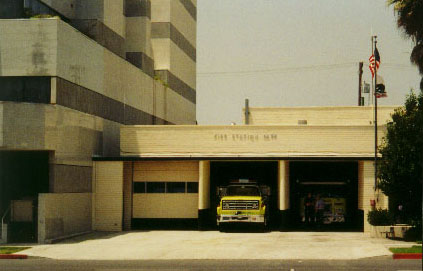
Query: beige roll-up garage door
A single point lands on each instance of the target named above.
(165, 189)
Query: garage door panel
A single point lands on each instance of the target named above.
(165, 206)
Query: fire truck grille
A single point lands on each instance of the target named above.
(240, 204)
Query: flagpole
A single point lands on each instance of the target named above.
(375, 97)
(373, 86)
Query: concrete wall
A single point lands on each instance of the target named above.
(173, 40)
(66, 8)
(248, 140)
(89, 9)
(21, 211)
(107, 198)
(138, 35)
(113, 16)
(72, 137)
(333, 115)
(50, 47)
(365, 189)
(63, 215)
(28, 47)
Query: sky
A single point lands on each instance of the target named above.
(280, 53)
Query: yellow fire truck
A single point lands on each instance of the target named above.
(243, 201)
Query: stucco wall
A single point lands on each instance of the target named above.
(322, 115)
(63, 214)
(365, 189)
(248, 140)
(108, 196)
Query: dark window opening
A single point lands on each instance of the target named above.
(156, 187)
(192, 187)
(139, 187)
(32, 89)
(177, 187)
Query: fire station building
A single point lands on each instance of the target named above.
(170, 173)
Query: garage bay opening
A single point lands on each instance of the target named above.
(239, 175)
(324, 195)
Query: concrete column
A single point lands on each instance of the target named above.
(283, 185)
(127, 195)
(204, 186)
(283, 194)
(204, 194)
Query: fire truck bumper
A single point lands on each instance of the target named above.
(240, 218)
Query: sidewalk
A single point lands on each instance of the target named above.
(162, 245)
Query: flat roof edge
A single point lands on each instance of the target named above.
(229, 158)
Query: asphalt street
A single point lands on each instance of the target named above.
(370, 264)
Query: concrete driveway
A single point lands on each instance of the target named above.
(162, 245)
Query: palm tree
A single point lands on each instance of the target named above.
(410, 19)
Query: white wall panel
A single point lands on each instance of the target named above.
(108, 196)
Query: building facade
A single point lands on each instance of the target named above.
(71, 74)
(326, 151)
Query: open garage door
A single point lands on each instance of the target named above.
(264, 172)
(336, 184)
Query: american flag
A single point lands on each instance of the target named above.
(372, 59)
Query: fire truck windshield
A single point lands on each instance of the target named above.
(242, 190)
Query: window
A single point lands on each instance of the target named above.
(192, 187)
(156, 187)
(242, 191)
(139, 187)
(178, 187)
(165, 187)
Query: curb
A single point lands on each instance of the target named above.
(414, 256)
(13, 256)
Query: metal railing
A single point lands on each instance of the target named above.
(3, 219)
